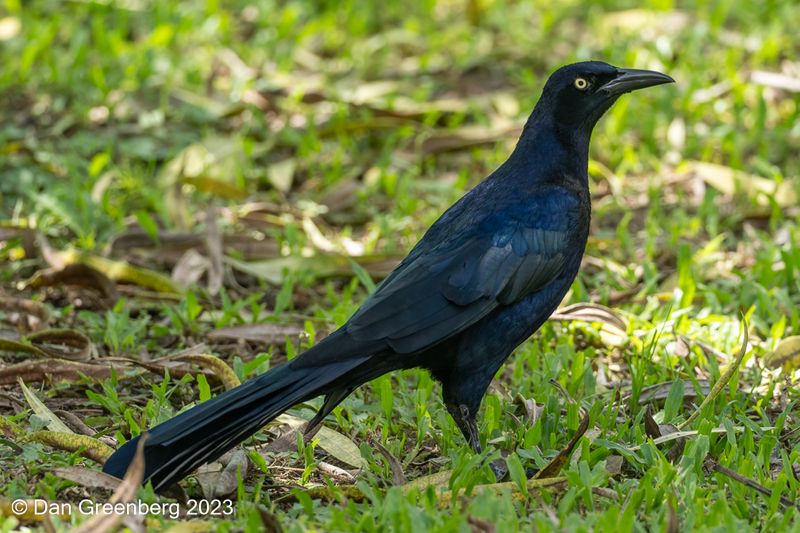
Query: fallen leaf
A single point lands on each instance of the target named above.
(776, 80)
(614, 330)
(87, 477)
(555, 465)
(398, 477)
(660, 391)
(730, 182)
(786, 354)
(60, 343)
(190, 268)
(281, 174)
(466, 137)
(52, 370)
(80, 275)
(333, 442)
(219, 367)
(320, 265)
(266, 333)
(214, 249)
(215, 187)
(42, 411)
(125, 493)
(116, 270)
(71, 442)
(437, 479)
(614, 464)
(227, 482)
(335, 471)
(650, 425)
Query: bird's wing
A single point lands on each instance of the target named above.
(440, 291)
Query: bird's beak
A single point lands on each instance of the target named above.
(631, 79)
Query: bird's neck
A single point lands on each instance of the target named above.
(553, 149)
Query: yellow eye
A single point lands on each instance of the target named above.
(581, 84)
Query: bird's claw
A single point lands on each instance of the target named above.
(499, 469)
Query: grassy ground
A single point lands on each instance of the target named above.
(216, 164)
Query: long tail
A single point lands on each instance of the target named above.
(201, 434)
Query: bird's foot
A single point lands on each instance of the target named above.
(499, 469)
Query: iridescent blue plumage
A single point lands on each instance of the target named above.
(481, 280)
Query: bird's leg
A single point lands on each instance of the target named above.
(465, 419)
(469, 427)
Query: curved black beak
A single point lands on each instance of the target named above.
(631, 79)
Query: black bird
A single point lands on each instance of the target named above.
(482, 279)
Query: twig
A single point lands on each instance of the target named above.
(722, 381)
(712, 464)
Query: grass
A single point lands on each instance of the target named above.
(307, 133)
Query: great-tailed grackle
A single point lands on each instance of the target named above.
(481, 280)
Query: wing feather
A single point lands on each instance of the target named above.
(439, 292)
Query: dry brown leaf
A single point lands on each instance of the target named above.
(398, 477)
(214, 249)
(660, 391)
(533, 411)
(60, 343)
(265, 332)
(87, 477)
(650, 425)
(190, 268)
(614, 330)
(77, 425)
(126, 491)
(80, 275)
(466, 137)
(227, 482)
(52, 370)
(614, 464)
(555, 465)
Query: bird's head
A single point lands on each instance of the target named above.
(577, 95)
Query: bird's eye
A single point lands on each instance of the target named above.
(581, 84)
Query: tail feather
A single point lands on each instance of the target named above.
(201, 434)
